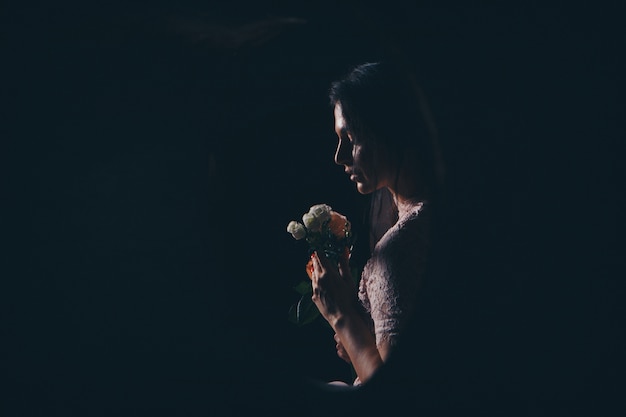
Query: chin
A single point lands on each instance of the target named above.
(364, 189)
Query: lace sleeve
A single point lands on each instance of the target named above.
(392, 277)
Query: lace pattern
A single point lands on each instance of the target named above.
(392, 275)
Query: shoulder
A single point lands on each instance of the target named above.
(399, 254)
(408, 235)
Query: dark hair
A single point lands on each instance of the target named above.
(383, 103)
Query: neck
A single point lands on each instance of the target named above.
(406, 203)
(406, 189)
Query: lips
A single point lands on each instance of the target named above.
(353, 177)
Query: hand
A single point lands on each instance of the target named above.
(341, 352)
(333, 289)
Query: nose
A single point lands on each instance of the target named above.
(343, 154)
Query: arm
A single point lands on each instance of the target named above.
(341, 352)
(334, 295)
(394, 278)
(360, 345)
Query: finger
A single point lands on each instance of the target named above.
(315, 296)
(314, 282)
(343, 354)
(323, 259)
(344, 268)
(314, 264)
(314, 275)
(318, 265)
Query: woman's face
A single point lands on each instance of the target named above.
(358, 157)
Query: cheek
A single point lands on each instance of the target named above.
(364, 161)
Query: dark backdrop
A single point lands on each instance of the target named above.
(155, 152)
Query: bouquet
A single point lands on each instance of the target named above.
(325, 231)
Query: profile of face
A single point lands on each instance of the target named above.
(361, 161)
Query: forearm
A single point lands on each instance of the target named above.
(360, 344)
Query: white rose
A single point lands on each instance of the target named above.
(296, 229)
(321, 211)
(311, 222)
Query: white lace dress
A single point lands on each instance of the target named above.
(393, 274)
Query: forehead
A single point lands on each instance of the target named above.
(340, 122)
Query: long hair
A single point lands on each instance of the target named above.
(384, 105)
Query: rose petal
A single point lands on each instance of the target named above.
(338, 224)
(309, 268)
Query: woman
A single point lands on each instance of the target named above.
(386, 146)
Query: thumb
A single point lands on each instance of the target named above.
(344, 265)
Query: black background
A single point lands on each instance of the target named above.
(155, 152)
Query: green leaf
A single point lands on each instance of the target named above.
(306, 310)
(304, 287)
(291, 315)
